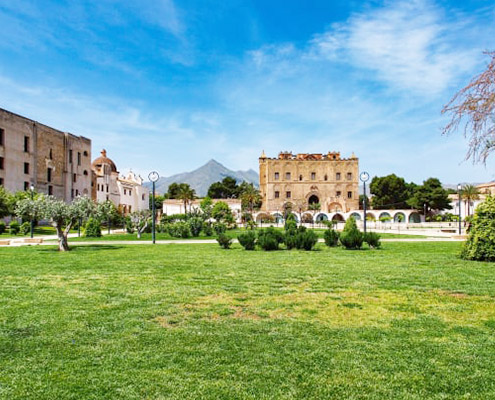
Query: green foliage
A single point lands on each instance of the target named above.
(6, 203)
(351, 238)
(372, 239)
(250, 197)
(226, 189)
(390, 192)
(307, 240)
(14, 227)
(431, 194)
(208, 229)
(92, 228)
(206, 207)
(331, 237)
(480, 244)
(3, 227)
(290, 224)
(247, 240)
(195, 225)
(174, 189)
(129, 227)
(219, 228)
(270, 238)
(179, 229)
(224, 241)
(221, 211)
(25, 228)
(166, 219)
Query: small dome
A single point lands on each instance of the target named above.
(104, 160)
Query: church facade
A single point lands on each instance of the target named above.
(300, 180)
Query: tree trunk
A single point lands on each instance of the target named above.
(138, 234)
(62, 239)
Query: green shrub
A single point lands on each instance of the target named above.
(270, 238)
(219, 228)
(331, 237)
(169, 219)
(290, 224)
(208, 229)
(3, 227)
(128, 225)
(307, 240)
(291, 239)
(247, 240)
(14, 227)
(25, 228)
(373, 240)
(480, 245)
(224, 241)
(195, 225)
(179, 230)
(92, 228)
(351, 238)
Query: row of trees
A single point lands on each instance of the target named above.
(393, 192)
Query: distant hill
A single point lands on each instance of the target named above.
(200, 179)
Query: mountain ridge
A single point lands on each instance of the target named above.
(201, 178)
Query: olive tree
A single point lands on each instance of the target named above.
(140, 221)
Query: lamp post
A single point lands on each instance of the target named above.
(153, 177)
(364, 177)
(31, 190)
(459, 188)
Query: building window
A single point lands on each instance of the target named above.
(74, 178)
(50, 155)
(98, 187)
(125, 191)
(26, 144)
(85, 173)
(129, 209)
(287, 176)
(49, 175)
(1, 162)
(349, 176)
(313, 176)
(130, 192)
(277, 195)
(287, 194)
(78, 158)
(326, 177)
(77, 192)
(339, 193)
(26, 168)
(349, 195)
(26, 186)
(1, 181)
(72, 193)
(277, 176)
(142, 197)
(2, 134)
(337, 176)
(70, 156)
(50, 190)
(85, 153)
(107, 188)
(300, 177)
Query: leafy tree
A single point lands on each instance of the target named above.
(480, 244)
(250, 197)
(186, 194)
(362, 198)
(221, 211)
(430, 196)
(158, 201)
(469, 193)
(389, 192)
(474, 107)
(6, 202)
(140, 221)
(206, 207)
(226, 189)
(173, 190)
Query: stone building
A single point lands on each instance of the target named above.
(304, 179)
(53, 162)
(126, 192)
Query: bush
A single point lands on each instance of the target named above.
(308, 240)
(480, 245)
(25, 228)
(291, 239)
(247, 240)
(92, 228)
(219, 228)
(179, 230)
(373, 240)
(14, 227)
(270, 238)
(351, 238)
(224, 241)
(208, 229)
(290, 224)
(195, 226)
(3, 227)
(128, 225)
(331, 237)
(169, 219)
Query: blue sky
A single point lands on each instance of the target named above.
(168, 85)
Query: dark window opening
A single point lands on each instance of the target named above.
(277, 176)
(287, 194)
(339, 193)
(49, 174)
(287, 176)
(277, 195)
(300, 177)
(26, 186)
(326, 177)
(26, 144)
(85, 153)
(313, 176)
(85, 173)
(2, 134)
(70, 156)
(313, 199)
(78, 158)
(74, 178)
(349, 195)
(1, 162)
(337, 176)
(50, 156)
(349, 176)
(26, 168)
(1, 181)
(50, 190)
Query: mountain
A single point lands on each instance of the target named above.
(200, 179)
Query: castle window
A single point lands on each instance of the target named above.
(85, 153)
(70, 156)
(49, 175)
(339, 193)
(1, 162)
(1, 181)
(26, 186)
(277, 176)
(26, 168)
(50, 155)
(337, 176)
(26, 144)
(287, 194)
(326, 177)
(142, 197)
(349, 176)
(313, 176)
(50, 190)
(74, 178)
(349, 195)
(125, 191)
(2, 134)
(72, 193)
(130, 192)
(129, 209)
(77, 192)
(300, 177)
(287, 176)
(78, 158)
(277, 195)
(107, 188)
(85, 173)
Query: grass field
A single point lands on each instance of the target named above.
(410, 321)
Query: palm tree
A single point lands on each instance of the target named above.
(186, 194)
(250, 198)
(468, 194)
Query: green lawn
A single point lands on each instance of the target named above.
(410, 321)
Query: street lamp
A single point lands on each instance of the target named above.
(31, 190)
(459, 188)
(364, 177)
(153, 177)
